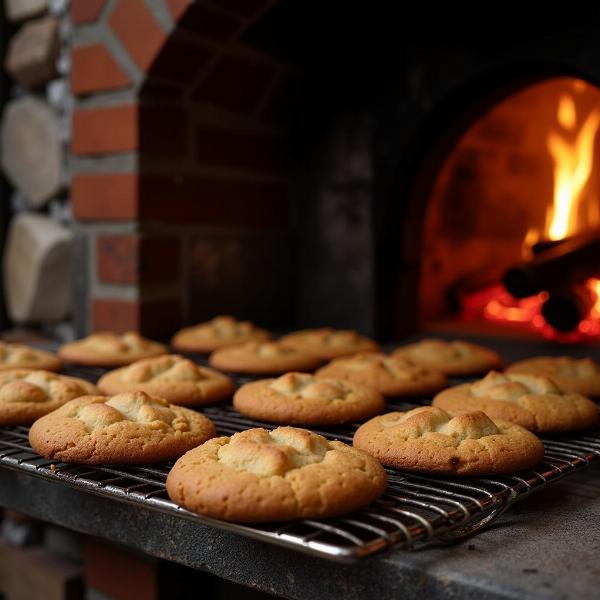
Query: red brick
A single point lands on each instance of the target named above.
(117, 258)
(94, 69)
(255, 151)
(120, 574)
(236, 84)
(155, 318)
(86, 11)
(209, 23)
(206, 201)
(178, 7)
(138, 30)
(105, 130)
(106, 197)
(115, 315)
(133, 258)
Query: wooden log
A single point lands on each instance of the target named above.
(31, 147)
(37, 269)
(32, 52)
(19, 10)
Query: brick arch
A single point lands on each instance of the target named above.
(178, 179)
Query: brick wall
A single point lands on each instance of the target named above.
(177, 160)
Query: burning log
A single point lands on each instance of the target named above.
(566, 308)
(564, 265)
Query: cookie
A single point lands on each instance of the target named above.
(327, 343)
(391, 375)
(531, 401)
(580, 376)
(258, 475)
(263, 358)
(222, 331)
(429, 440)
(300, 398)
(453, 358)
(20, 356)
(130, 428)
(172, 377)
(27, 394)
(108, 349)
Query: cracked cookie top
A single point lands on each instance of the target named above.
(300, 398)
(129, 428)
(175, 378)
(455, 357)
(27, 394)
(391, 375)
(327, 343)
(220, 332)
(263, 357)
(108, 349)
(428, 439)
(288, 473)
(20, 356)
(580, 376)
(534, 402)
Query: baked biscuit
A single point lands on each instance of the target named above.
(263, 358)
(222, 331)
(131, 428)
(580, 376)
(27, 394)
(429, 440)
(528, 400)
(288, 473)
(20, 356)
(453, 358)
(300, 398)
(172, 377)
(391, 375)
(108, 349)
(327, 343)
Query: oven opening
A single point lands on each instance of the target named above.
(512, 224)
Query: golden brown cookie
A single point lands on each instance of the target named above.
(130, 428)
(108, 349)
(528, 400)
(220, 332)
(327, 343)
(453, 358)
(288, 473)
(300, 398)
(27, 394)
(429, 440)
(391, 375)
(263, 358)
(580, 376)
(172, 377)
(20, 356)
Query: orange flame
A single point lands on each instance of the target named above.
(573, 163)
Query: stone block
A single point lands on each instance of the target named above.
(19, 10)
(32, 52)
(32, 152)
(37, 269)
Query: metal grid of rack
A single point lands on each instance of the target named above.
(415, 509)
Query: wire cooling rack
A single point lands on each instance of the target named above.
(414, 510)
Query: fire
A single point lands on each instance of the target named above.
(573, 161)
(571, 148)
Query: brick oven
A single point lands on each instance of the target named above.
(222, 159)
